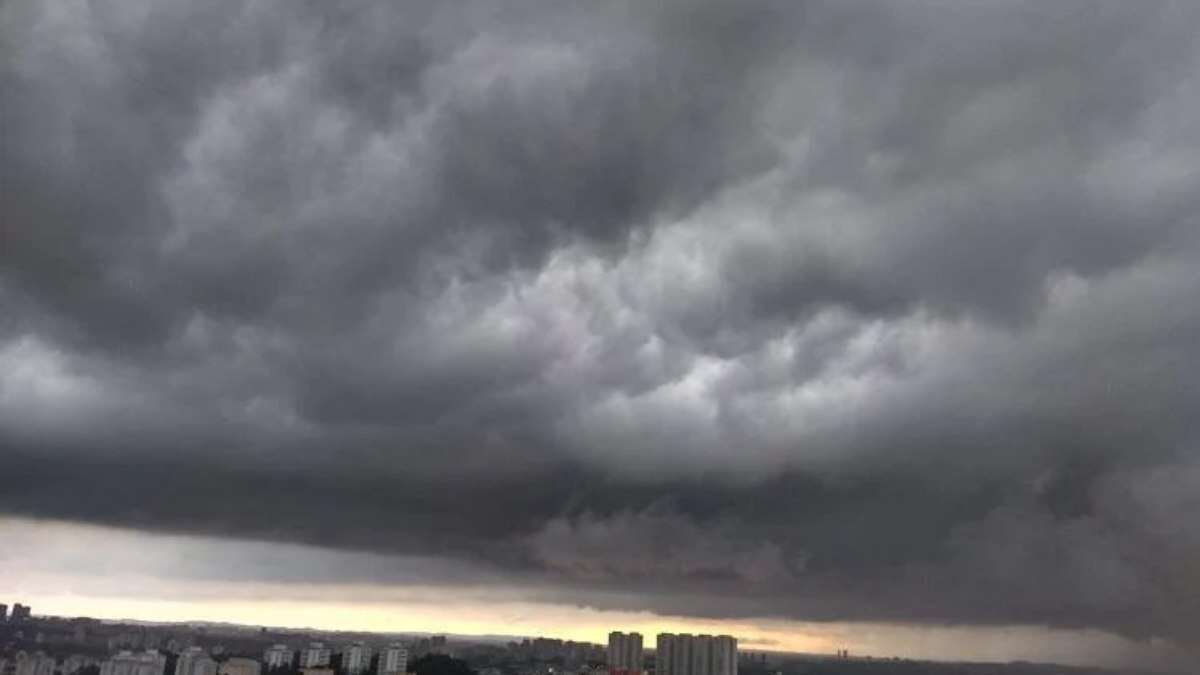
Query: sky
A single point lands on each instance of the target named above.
(829, 324)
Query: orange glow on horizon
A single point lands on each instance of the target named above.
(508, 619)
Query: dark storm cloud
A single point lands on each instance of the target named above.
(819, 310)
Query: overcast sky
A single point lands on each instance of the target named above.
(790, 316)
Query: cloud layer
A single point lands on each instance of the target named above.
(826, 311)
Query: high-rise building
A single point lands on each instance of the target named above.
(356, 658)
(3, 612)
(685, 654)
(315, 655)
(702, 655)
(19, 612)
(35, 664)
(240, 666)
(725, 655)
(624, 653)
(664, 644)
(194, 661)
(673, 654)
(277, 656)
(149, 662)
(393, 660)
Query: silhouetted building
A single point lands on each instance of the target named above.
(3, 612)
(20, 612)
(624, 653)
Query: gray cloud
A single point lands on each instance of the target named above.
(816, 310)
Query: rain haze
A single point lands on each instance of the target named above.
(825, 324)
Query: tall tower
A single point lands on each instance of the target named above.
(702, 655)
(624, 653)
(664, 648)
(684, 647)
(393, 660)
(633, 653)
(356, 658)
(724, 655)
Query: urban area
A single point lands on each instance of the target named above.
(50, 645)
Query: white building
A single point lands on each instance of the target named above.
(194, 661)
(278, 656)
(356, 658)
(624, 653)
(149, 662)
(315, 655)
(393, 660)
(72, 664)
(35, 664)
(685, 654)
(240, 666)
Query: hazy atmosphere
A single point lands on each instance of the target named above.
(868, 324)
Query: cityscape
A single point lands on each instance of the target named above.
(42, 645)
(599, 337)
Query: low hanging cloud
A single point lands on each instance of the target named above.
(655, 544)
(813, 310)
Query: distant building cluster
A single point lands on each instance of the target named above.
(681, 654)
(82, 646)
(47, 645)
(430, 645)
(19, 613)
(569, 652)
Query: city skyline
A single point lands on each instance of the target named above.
(882, 641)
(138, 649)
(830, 325)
